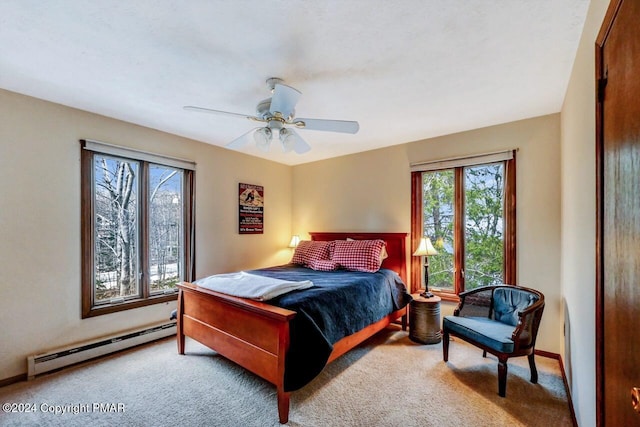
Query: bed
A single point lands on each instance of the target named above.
(269, 339)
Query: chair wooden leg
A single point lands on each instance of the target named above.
(534, 370)
(484, 353)
(502, 377)
(404, 322)
(445, 345)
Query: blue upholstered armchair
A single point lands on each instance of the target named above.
(502, 320)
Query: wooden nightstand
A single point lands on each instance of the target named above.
(424, 320)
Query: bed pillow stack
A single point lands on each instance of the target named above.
(354, 255)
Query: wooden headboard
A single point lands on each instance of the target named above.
(396, 247)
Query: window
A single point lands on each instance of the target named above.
(467, 208)
(137, 227)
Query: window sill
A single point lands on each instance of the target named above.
(446, 296)
(102, 309)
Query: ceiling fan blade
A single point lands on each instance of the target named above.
(284, 100)
(343, 126)
(210, 111)
(240, 141)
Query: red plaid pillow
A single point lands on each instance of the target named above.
(309, 250)
(323, 265)
(358, 255)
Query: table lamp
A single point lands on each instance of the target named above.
(425, 249)
(295, 240)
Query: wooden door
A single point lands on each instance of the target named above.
(618, 246)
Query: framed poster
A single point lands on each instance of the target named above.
(251, 209)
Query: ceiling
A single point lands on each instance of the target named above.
(405, 70)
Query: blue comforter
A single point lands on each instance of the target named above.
(339, 304)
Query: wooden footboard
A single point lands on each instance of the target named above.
(252, 334)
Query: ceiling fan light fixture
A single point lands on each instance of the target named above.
(262, 137)
(277, 112)
(287, 139)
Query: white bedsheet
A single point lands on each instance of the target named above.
(246, 285)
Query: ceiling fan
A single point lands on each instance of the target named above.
(278, 115)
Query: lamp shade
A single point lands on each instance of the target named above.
(287, 139)
(262, 137)
(295, 239)
(425, 248)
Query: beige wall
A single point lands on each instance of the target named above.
(579, 221)
(371, 191)
(40, 221)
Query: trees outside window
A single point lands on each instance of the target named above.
(165, 228)
(468, 212)
(115, 199)
(136, 232)
(438, 224)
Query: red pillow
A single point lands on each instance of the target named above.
(309, 250)
(323, 264)
(358, 255)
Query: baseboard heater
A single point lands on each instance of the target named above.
(60, 358)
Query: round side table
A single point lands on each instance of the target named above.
(424, 320)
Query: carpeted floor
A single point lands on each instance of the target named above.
(387, 381)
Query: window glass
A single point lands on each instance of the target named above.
(484, 228)
(116, 266)
(438, 215)
(165, 228)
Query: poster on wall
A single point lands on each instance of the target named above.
(251, 211)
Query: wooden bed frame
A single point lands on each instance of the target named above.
(255, 335)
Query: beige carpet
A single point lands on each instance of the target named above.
(387, 381)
